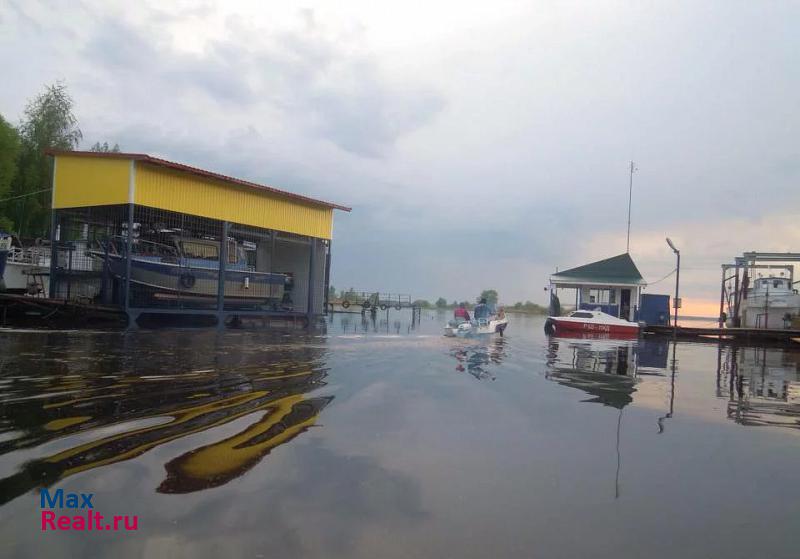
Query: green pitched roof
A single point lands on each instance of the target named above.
(617, 269)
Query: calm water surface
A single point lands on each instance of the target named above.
(385, 439)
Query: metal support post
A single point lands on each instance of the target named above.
(223, 265)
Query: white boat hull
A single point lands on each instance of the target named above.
(20, 278)
(481, 327)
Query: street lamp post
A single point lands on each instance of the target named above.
(677, 281)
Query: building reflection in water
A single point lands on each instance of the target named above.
(603, 368)
(761, 385)
(478, 359)
(608, 371)
(98, 419)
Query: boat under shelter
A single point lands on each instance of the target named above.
(153, 237)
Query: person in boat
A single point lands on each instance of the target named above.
(481, 310)
(461, 313)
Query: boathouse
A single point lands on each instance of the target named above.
(154, 237)
(613, 285)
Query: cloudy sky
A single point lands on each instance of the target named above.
(481, 145)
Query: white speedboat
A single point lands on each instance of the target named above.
(590, 322)
(476, 327)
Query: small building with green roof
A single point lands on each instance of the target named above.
(613, 285)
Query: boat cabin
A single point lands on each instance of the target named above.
(774, 284)
(613, 285)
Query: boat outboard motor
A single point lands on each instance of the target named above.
(3, 259)
(549, 327)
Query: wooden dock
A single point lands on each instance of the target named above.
(753, 335)
(41, 312)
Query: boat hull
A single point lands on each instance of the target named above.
(758, 312)
(18, 277)
(469, 329)
(168, 279)
(558, 326)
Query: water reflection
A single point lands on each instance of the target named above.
(605, 369)
(379, 323)
(762, 385)
(478, 359)
(216, 464)
(94, 418)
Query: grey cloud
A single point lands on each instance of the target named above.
(117, 46)
(308, 78)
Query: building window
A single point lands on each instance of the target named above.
(599, 296)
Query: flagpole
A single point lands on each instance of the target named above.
(630, 197)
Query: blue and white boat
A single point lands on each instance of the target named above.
(190, 268)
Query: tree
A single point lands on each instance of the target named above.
(529, 308)
(9, 151)
(421, 303)
(103, 148)
(48, 123)
(490, 295)
(331, 293)
(441, 303)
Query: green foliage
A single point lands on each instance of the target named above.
(103, 148)
(48, 124)
(422, 303)
(490, 295)
(331, 293)
(9, 151)
(441, 303)
(529, 308)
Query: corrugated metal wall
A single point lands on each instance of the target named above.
(166, 189)
(101, 181)
(82, 181)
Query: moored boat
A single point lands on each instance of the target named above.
(591, 322)
(25, 266)
(189, 267)
(772, 302)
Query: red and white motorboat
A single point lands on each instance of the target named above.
(591, 322)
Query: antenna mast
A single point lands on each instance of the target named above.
(630, 196)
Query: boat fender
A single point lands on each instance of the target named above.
(384, 306)
(345, 304)
(398, 307)
(247, 282)
(187, 280)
